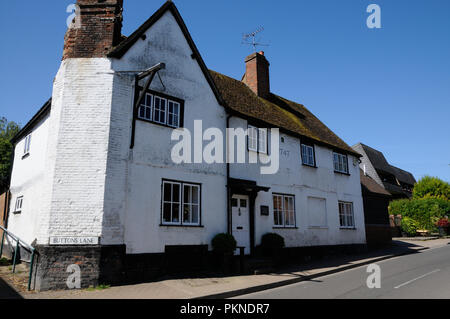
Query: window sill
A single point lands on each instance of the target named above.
(159, 124)
(258, 152)
(182, 226)
(307, 165)
(348, 228)
(25, 155)
(342, 173)
(281, 227)
(17, 212)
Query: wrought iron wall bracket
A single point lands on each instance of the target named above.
(139, 96)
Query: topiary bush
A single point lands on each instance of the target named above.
(272, 244)
(224, 244)
(409, 226)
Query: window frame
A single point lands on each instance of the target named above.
(340, 156)
(145, 107)
(27, 145)
(311, 146)
(168, 99)
(182, 203)
(346, 214)
(283, 211)
(258, 144)
(17, 210)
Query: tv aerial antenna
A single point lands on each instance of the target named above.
(250, 38)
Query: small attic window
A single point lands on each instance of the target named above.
(26, 146)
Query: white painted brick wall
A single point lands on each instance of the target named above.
(78, 148)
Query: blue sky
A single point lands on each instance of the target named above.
(388, 88)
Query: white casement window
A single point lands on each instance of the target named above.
(159, 110)
(262, 140)
(173, 117)
(257, 139)
(146, 108)
(19, 202)
(252, 138)
(181, 204)
(26, 147)
(308, 155)
(284, 210)
(191, 204)
(346, 216)
(340, 163)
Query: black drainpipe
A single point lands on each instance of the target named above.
(229, 217)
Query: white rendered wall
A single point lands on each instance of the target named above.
(133, 189)
(303, 182)
(28, 181)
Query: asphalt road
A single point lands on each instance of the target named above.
(421, 275)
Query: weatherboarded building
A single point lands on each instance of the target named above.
(94, 182)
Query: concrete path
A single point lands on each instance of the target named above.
(225, 287)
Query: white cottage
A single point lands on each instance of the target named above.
(94, 181)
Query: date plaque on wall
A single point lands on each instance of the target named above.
(264, 210)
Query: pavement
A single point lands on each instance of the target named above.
(232, 286)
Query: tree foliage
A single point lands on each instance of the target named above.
(431, 187)
(430, 203)
(7, 131)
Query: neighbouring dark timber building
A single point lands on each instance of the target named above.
(376, 201)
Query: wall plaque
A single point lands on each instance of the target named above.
(65, 241)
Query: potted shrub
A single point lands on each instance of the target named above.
(224, 246)
(272, 245)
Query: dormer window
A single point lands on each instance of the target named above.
(160, 109)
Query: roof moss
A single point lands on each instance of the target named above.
(276, 111)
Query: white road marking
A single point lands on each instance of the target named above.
(420, 277)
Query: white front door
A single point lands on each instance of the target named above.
(241, 221)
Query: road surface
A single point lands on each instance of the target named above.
(422, 275)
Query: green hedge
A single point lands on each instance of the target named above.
(425, 211)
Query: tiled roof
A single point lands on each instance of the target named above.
(276, 112)
(371, 186)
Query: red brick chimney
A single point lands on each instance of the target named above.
(257, 74)
(96, 29)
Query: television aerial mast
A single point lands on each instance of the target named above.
(250, 38)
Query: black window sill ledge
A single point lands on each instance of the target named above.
(182, 226)
(25, 155)
(17, 212)
(280, 227)
(307, 165)
(347, 228)
(342, 173)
